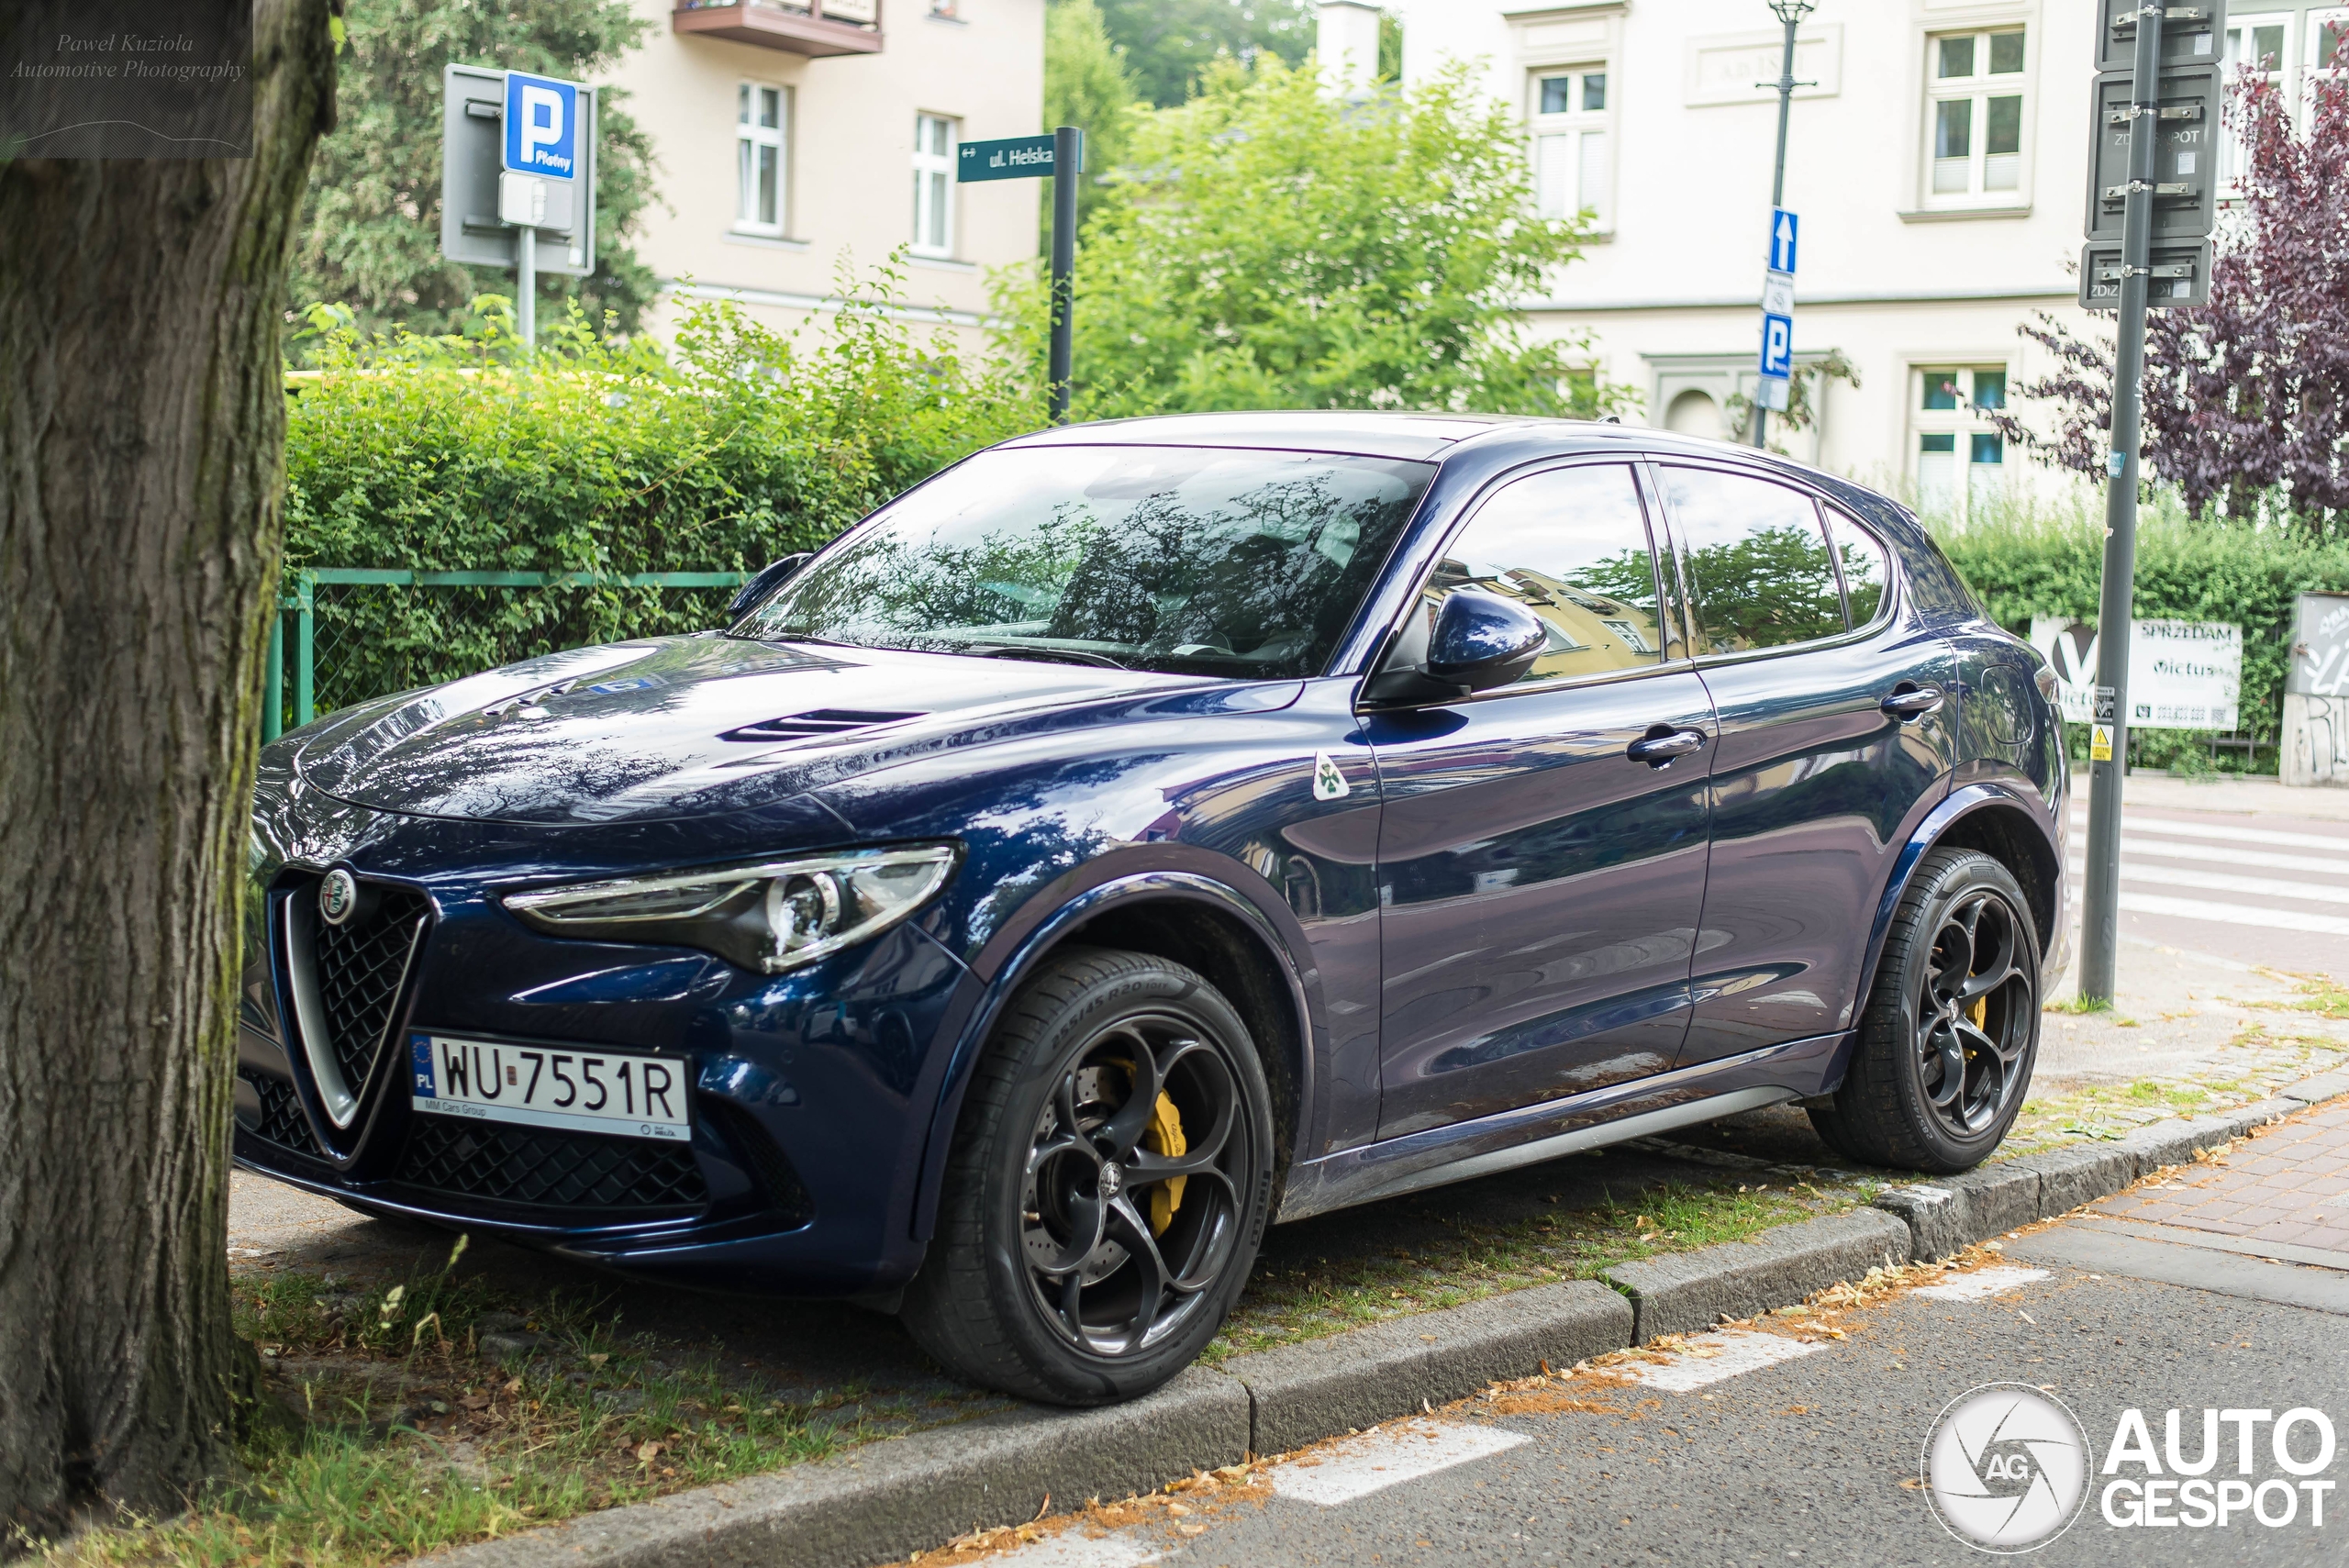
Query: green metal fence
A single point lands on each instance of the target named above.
(351, 634)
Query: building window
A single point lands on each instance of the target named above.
(1573, 118)
(934, 185)
(2257, 45)
(758, 124)
(1961, 459)
(1974, 115)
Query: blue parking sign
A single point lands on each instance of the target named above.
(1777, 345)
(542, 126)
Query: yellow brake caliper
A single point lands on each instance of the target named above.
(1165, 1140)
(1981, 1006)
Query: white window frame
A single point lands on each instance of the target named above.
(1962, 424)
(751, 138)
(1977, 89)
(2282, 75)
(1565, 137)
(934, 185)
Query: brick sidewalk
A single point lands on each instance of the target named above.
(2286, 1190)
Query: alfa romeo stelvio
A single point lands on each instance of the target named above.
(1142, 833)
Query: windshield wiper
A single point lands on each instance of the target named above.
(1029, 650)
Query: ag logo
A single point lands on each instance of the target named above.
(2006, 1468)
(1329, 783)
(338, 896)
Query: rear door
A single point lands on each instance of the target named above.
(1541, 886)
(1815, 784)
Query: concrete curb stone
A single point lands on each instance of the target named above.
(2173, 1143)
(2313, 1091)
(1951, 1213)
(2082, 1173)
(1683, 1291)
(2247, 1119)
(1303, 1393)
(889, 1499)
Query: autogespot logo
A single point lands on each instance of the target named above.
(2006, 1468)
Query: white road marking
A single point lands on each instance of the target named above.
(2236, 914)
(1385, 1457)
(1073, 1550)
(1982, 1284)
(2221, 830)
(2219, 882)
(1711, 1358)
(2141, 848)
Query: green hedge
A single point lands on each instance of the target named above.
(2050, 560)
(738, 446)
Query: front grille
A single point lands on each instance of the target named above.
(361, 966)
(282, 1121)
(547, 1169)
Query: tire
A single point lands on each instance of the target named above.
(1945, 1053)
(1051, 1227)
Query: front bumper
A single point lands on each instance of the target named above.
(811, 1092)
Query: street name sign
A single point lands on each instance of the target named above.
(1010, 158)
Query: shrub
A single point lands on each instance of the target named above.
(456, 454)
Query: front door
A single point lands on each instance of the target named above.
(1816, 786)
(1540, 884)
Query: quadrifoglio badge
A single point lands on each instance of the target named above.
(2007, 1468)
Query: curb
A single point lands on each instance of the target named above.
(889, 1499)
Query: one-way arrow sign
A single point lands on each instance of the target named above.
(1784, 227)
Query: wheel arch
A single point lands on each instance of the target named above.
(1192, 918)
(1998, 821)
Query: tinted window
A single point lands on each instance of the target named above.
(1572, 546)
(1866, 569)
(1759, 575)
(1193, 560)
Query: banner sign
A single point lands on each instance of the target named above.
(2182, 675)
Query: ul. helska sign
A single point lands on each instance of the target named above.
(542, 127)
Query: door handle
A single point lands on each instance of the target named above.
(1907, 702)
(1660, 745)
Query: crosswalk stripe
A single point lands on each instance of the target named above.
(2219, 882)
(2162, 825)
(1404, 1450)
(2137, 845)
(1711, 1358)
(2235, 913)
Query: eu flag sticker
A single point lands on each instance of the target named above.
(420, 1049)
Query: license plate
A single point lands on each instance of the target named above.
(612, 1092)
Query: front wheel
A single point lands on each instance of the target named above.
(1107, 1188)
(1952, 1029)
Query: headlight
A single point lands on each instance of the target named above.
(772, 916)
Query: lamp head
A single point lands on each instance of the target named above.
(1792, 11)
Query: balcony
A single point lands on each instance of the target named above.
(818, 28)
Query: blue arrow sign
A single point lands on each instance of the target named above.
(542, 126)
(1784, 227)
(1778, 346)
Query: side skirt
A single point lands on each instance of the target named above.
(1530, 1134)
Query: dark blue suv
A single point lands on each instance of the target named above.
(1142, 833)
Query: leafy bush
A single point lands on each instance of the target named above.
(2024, 560)
(457, 454)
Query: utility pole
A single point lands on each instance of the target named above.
(2172, 108)
(1777, 324)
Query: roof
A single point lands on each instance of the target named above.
(1367, 434)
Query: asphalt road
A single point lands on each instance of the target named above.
(1802, 1461)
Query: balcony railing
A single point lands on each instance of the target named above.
(818, 28)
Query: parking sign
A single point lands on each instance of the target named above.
(1778, 346)
(542, 127)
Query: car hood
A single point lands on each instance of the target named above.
(683, 726)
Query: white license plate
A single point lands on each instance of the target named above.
(611, 1092)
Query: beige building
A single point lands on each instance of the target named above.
(788, 136)
(1938, 160)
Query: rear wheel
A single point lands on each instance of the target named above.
(1951, 1031)
(1107, 1188)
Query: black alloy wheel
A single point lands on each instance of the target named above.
(1108, 1186)
(1951, 1032)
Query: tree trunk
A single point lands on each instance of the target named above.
(143, 437)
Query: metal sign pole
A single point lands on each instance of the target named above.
(2108, 733)
(526, 285)
(1068, 159)
(1791, 13)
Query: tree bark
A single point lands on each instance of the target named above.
(142, 435)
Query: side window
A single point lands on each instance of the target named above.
(1759, 574)
(1866, 567)
(1572, 546)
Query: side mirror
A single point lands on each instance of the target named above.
(760, 589)
(1481, 641)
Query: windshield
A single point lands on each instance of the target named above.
(1181, 559)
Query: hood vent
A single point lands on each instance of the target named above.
(822, 721)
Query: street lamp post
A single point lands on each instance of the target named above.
(1790, 13)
